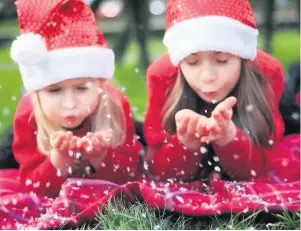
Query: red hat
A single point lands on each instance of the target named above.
(59, 40)
(210, 25)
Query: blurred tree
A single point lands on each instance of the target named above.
(269, 24)
(137, 15)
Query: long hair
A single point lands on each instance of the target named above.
(99, 120)
(252, 114)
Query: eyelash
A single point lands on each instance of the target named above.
(55, 90)
(81, 88)
(193, 63)
(222, 61)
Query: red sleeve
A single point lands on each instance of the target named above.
(241, 158)
(36, 171)
(122, 164)
(167, 157)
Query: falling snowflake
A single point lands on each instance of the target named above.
(195, 153)
(152, 184)
(209, 162)
(180, 199)
(271, 142)
(145, 165)
(109, 116)
(103, 165)
(182, 172)
(70, 170)
(123, 88)
(106, 192)
(216, 159)
(249, 108)
(71, 153)
(203, 150)
(214, 101)
(79, 183)
(5, 111)
(48, 184)
(235, 156)
(170, 146)
(28, 182)
(13, 98)
(137, 70)
(78, 155)
(84, 196)
(100, 90)
(216, 168)
(36, 185)
(253, 172)
(295, 115)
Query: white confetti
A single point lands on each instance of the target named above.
(70, 170)
(253, 172)
(214, 101)
(13, 98)
(48, 184)
(143, 215)
(14, 201)
(203, 150)
(209, 162)
(235, 156)
(106, 192)
(153, 185)
(58, 173)
(271, 142)
(180, 199)
(28, 182)
(145, 165)
(216, 168)
(216, 159)
(123, 89)
(182, 172)
(109, 116)
(100, 90)
(36, 185)
(249, 108)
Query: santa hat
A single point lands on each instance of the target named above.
(210, 25)
(59, 40)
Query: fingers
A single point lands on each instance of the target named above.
(58, 140)
(182, 126)
(66, 140)
(191, 127)
(72, 143)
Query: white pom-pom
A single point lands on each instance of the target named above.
(28, 49)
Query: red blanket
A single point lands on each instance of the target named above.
(80, 199)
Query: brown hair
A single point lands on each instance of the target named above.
(252, 113)
(108, 105)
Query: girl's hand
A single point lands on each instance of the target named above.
(62, 144)
(221, 128)
(96, 143)
(190, 128)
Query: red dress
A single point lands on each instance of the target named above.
(39, 175)
(240, 159)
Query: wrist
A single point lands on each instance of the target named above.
(228, 136)
(59, 162)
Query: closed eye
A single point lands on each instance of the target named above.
(54, 90)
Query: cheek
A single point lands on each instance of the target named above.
(89, 101)
(230, 77)
(49, 105)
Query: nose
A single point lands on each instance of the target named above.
(208, 73)
(69, 100)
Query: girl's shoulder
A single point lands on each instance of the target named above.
(24, 107)
(162, 72)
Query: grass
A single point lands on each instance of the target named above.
(141, 217)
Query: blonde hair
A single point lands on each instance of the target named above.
(108, 114)
(252, 90)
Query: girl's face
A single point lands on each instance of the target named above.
(71, 101)
(212, 75)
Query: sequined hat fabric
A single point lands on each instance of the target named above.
(59, 40)
(210, 25)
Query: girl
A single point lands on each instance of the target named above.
(72, 123)
(217, 114)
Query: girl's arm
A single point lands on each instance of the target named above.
(167, 157)
(36, 170)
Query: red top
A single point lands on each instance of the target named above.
(38, 173)
(168, 158)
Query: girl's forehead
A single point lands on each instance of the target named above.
(73, 81)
